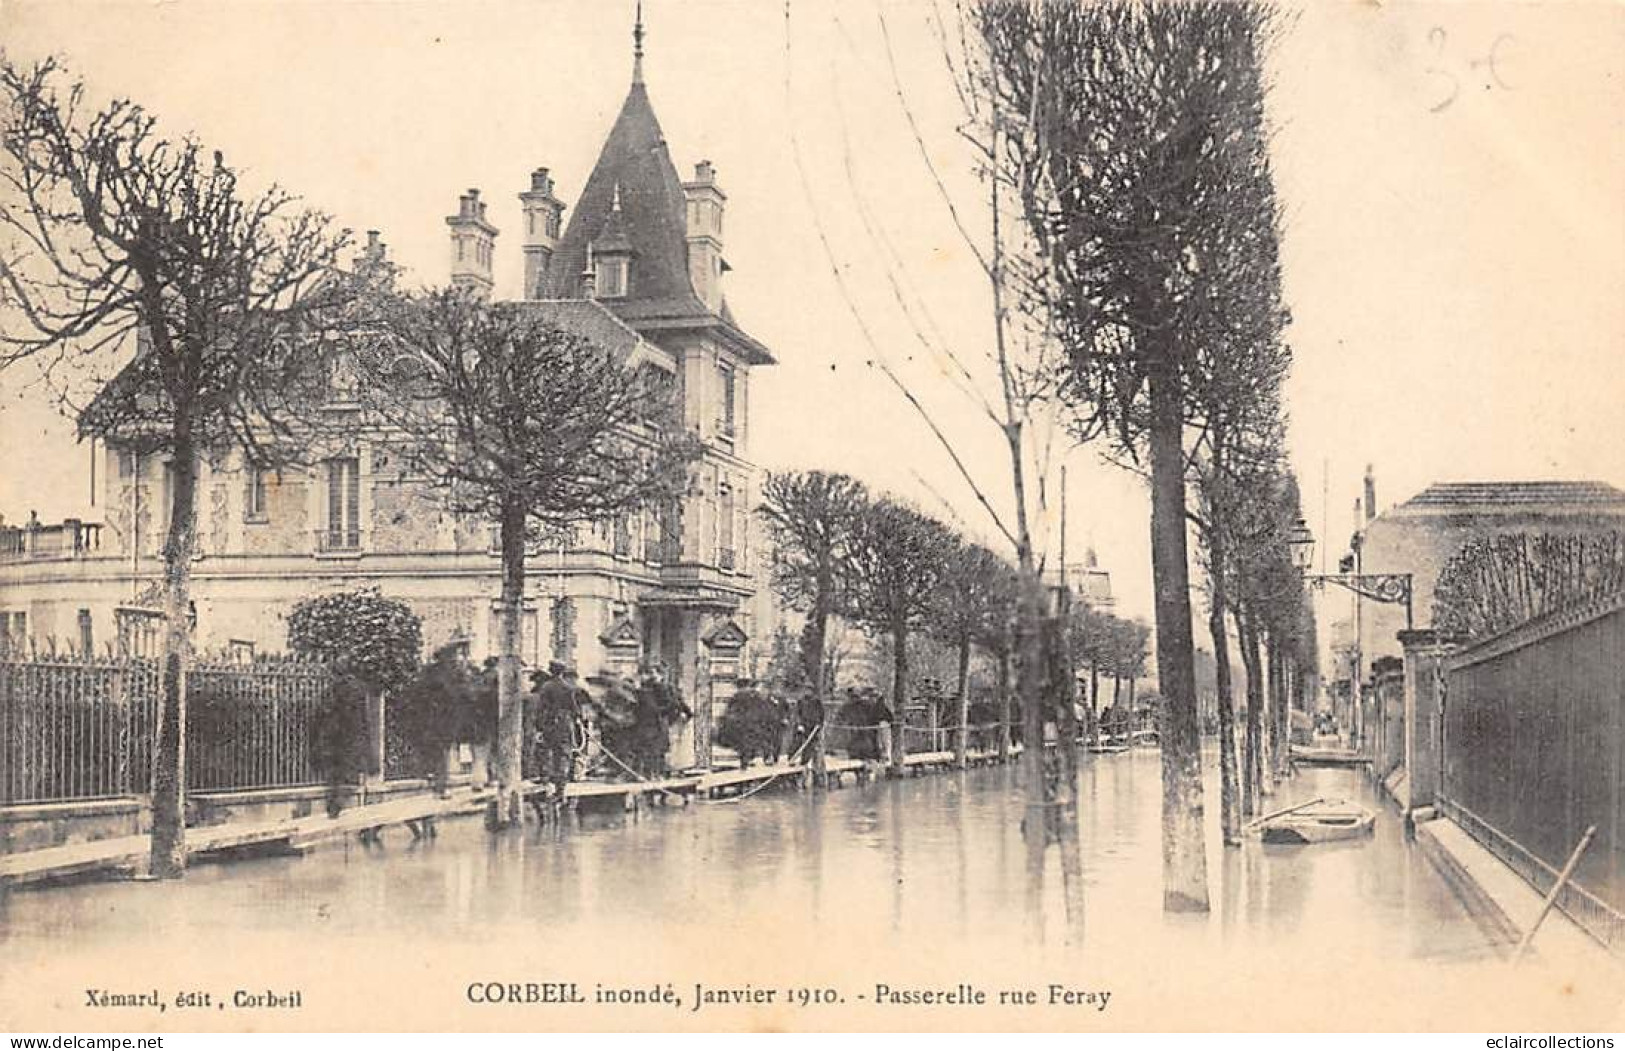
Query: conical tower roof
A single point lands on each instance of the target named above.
(635, 165)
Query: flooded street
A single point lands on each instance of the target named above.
(918, 881)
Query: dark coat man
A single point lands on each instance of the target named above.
(557, 707)
(863, 713)
(805, 721)
(659, 705)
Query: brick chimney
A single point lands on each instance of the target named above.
(1370, 494)
(374, 255)
(705, 264)
(543, 220)
(473, 242)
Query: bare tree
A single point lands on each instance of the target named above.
(1015, 402)
(970, 598)
(112, 234)
(813, 517)
(1135, 120)
(521, 419)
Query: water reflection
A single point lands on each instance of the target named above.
(924, 874)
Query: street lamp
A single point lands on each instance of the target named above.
(1300, 545)
(1390, 588)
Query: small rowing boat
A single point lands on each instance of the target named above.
(1317, 821)
(1323, 756)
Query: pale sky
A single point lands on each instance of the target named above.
(1453, 175)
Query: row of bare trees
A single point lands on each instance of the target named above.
(839, 551)
(238, 308)
(1108, 646)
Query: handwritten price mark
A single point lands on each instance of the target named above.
(1448, 83)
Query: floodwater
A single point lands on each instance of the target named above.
(916, 884)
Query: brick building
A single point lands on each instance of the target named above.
(639, 266)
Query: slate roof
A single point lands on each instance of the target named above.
(635, 163)
(588, 318)
(635, 166)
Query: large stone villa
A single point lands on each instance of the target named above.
(639, 265)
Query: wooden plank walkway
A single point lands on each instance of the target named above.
(128, 855)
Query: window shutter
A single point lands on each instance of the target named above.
(352, 502)
(335, 506)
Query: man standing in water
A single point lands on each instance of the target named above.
(658, 707)
(557, 708)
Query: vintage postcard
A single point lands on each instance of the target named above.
(730, 515)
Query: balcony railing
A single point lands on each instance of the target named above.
(338, 541)
(69, 538)
(662, 550)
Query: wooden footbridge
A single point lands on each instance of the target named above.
(127, 856)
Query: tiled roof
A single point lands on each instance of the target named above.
(1512, 495)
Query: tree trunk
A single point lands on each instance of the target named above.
(1229, 809)
(962, 738)
(1062, 765)
(510, 748)
(1286, 711)
(1272, 663)
(1004, 706)
(812, 660)
(1184, 855)
(168, 857)
(1035, 825)
(1094, 704)
(1252, 767)
(899, 687)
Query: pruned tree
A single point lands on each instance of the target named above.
(1131, 123)
(1091, 643)
(813, 519)
(894, 569)
(971, 597)
(1494, 583)
(528, 424)
(373, 644)
(115, 236)
(1130, 647)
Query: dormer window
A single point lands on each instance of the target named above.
(612, 276)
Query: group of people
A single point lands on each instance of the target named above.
(625, 728)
